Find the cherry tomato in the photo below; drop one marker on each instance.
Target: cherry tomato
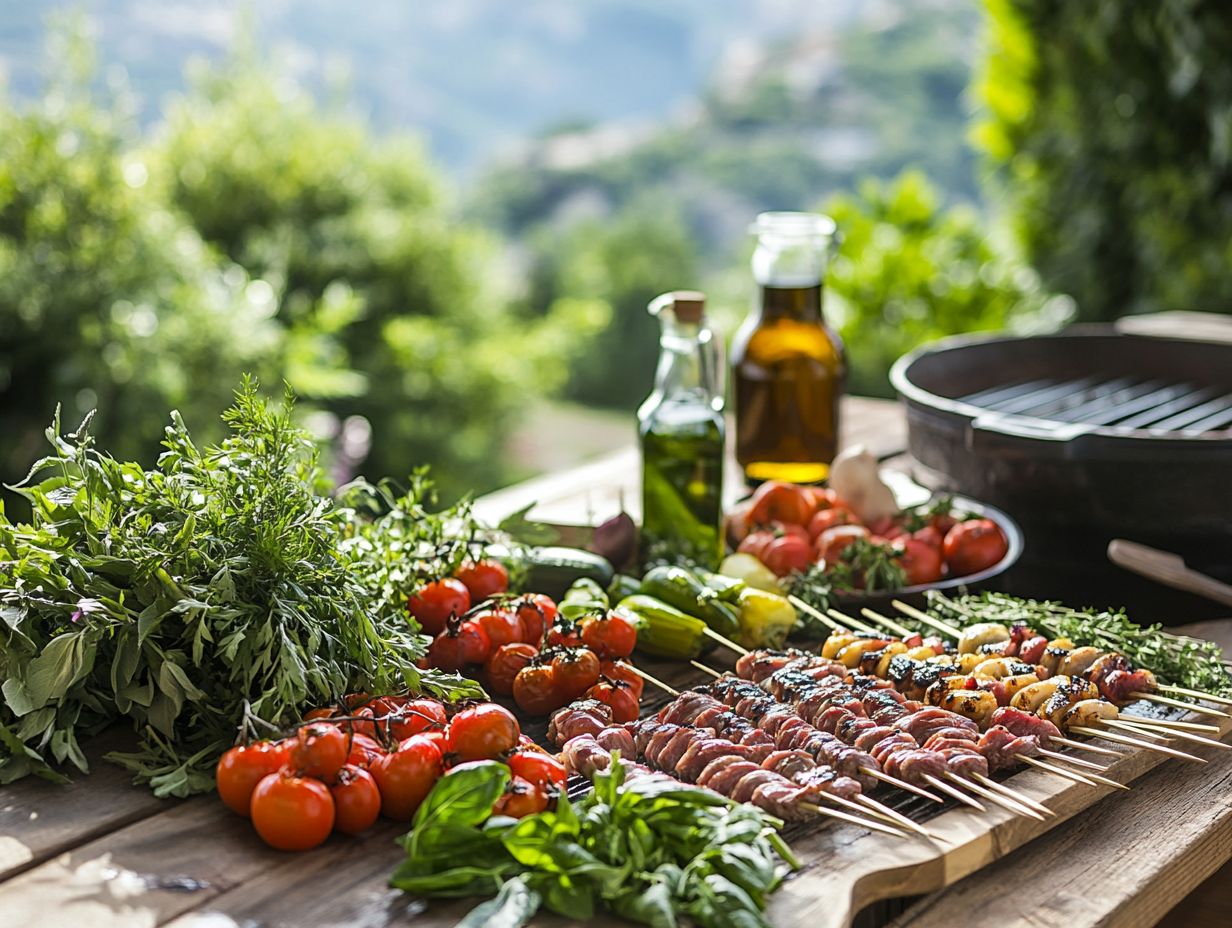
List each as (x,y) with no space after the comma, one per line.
(484,579)
(520,799)
(505,663)
(415,716)
(779,501)
(435,602)
(461,643)
(502,626)
(319,750)
(779,529)
(919,560)
(609,636)
(786,554)
(535,690)
(834,541)
(313,715)
(828,518)
(241,768)
(357,801)
(821,497)
(620,670)
(755,543)
(974,545)
(526,743)
(292,813)
(564,634)
(482,731)
(541,770)
(364,751)
(575,670)
(362,722)
(930,536)
(617,695)
(537,613)
(407,775)
(943,522)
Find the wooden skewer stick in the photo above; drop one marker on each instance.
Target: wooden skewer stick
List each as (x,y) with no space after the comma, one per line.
(901,784)
(726,642)
(956,793)
(815,613)
(849,621)
(992,784)
(1196,694)
(1162,735)
(1183,735)
(995,797)
(707,670)
(1180,704)
(1169,723)
(895,816)
(921,616)
(671,691)
(1084,777)
(1083,746)
(853,819)
(901,630)
(1076,761)
(1135,742)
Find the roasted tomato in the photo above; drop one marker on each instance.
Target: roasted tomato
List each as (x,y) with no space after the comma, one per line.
(535,690)
(618,696)
(609,636)
(481,732)
(461,643)
(537,613)
(575,671)
(505,663)
(520,799)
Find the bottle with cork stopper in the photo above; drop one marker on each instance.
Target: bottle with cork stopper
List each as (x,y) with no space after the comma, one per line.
(682,435)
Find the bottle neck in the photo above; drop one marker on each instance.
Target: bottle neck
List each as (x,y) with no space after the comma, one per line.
(801,304)
(690,367)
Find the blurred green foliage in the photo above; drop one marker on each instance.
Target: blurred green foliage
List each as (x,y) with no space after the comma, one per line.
(1111,126)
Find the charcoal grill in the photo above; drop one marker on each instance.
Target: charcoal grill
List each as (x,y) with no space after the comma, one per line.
(1090,432)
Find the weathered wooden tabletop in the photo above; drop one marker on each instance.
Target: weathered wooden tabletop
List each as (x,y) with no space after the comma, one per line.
(100,852)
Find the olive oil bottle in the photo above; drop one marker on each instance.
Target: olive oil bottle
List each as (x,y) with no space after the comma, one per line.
(788,365)
(682,436)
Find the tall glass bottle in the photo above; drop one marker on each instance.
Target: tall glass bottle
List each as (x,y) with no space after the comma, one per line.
(788,365)
(682,436)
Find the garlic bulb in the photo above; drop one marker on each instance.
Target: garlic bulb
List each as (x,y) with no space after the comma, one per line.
(854,477)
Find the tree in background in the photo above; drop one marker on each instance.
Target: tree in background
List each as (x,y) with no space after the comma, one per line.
(1111,124)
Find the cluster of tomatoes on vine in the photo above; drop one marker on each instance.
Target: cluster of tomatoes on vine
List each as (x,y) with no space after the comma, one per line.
(345,767)
(521,645)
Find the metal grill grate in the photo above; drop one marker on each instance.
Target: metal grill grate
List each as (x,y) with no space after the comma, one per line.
(1120,404)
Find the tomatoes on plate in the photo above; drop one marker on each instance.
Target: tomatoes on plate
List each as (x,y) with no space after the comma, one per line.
(755,543)
(539,769)
(357,801)
(920,561)
(618,696)
(292,813)
(319,750)
(241,768)
(434,603)
(537,613)
(505,664)
(461,643)
(575,670)
(535,690)
(520,799)
(407,775)
(781,502)
(974,545)
(609,636)
(483,579)
(834,541)
(483,731)
(828,519)
(786,554)
(930,536)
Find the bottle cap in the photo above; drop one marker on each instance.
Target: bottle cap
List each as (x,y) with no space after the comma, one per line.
(688,305)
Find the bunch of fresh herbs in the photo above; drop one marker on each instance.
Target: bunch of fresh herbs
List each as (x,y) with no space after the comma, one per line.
(652,851)
(185,599)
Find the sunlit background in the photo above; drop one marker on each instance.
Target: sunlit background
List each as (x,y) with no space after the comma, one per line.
(441,223)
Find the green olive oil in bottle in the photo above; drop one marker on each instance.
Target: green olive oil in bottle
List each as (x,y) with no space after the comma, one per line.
(682,436)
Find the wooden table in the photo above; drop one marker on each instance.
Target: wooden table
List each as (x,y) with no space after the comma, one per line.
(100,852)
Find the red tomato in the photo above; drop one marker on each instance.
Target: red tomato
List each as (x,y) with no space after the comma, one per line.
(541,770)
(779,529)
(319,750)
(609,636)
(484,579)
(787,554)
(620,670)
(520,799)
(737,523)
(930,536)
(974,545)
(537,613)
(535,690)
(834,541)
(483,731)
(407,775)
(755,543)
(828,519)
(362,722)
(575,670)
(779,501)
(505,663)
(313,715)
(415,716)
(564,634)
(292,813)
(820,497)
(943,523)
(364,751)
(460,644)
(919,560)
(526,743)
(435,602)
(617,695)
(241,768)
(502,625)
(357,801)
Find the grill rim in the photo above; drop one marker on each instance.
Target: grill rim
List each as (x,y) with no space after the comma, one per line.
(1039,428)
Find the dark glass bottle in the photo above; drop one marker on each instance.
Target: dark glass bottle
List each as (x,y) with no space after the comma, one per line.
(788,365)
(682,436)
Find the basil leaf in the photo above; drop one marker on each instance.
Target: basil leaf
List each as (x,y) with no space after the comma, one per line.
(513,907)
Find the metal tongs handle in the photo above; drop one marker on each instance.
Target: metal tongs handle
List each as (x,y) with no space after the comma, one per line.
(1167,568)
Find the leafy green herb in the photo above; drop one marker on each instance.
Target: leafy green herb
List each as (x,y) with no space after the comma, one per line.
(863,567)
(1173,658)
(650,851)
(189,598)
(921,516)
